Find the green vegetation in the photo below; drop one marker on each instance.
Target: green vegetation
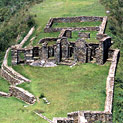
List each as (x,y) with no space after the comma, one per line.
(15,21)
(21,56)
(68,89)
(92,36)
(39,35)
(77,24)
(4,86)
(51,43)
(115,30)
(17,17)
(62,8)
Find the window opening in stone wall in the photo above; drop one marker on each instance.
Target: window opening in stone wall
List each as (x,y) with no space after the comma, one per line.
(21,57)
(36,52)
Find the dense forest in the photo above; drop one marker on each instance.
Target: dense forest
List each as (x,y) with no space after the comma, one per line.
(15,22)
(115,23)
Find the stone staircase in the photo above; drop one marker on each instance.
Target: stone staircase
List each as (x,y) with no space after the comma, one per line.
(68,62)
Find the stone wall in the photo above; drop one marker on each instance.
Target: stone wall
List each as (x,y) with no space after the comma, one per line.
(102,50)
(49,27)
(65,33)
(93,46)
(63,120)
(76,19)
(110,82)
(100,36)
(57,53)
(91,116)
(110,53)
(44,51)
(27,37)
(103,25)
(82,51)
(48,39)
(3,94)
(22,94)
(14,77)
(84,35)
(28,55)
(10,74)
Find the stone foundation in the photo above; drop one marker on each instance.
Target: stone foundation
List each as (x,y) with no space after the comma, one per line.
(91,116)
(49,27)
(63,120)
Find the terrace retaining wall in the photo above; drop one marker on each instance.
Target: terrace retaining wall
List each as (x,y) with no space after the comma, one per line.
(10,74)
(3,94)
(15,78)
(63,120)
(22,94)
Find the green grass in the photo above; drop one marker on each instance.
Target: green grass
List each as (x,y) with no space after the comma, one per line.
(12,111)
(78,24)
(62,8)
(68,89)
(4,85)
(118,92)
(92,36)
(40,35)
(51,43)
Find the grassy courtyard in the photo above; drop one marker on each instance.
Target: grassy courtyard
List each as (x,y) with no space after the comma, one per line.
(81,87)
(68,89)
(91,39)
(78,24)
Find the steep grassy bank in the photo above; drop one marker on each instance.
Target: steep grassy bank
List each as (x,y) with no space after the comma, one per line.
(15,22)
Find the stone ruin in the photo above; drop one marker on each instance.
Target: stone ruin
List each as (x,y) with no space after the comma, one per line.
(55,51)
(63,51)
